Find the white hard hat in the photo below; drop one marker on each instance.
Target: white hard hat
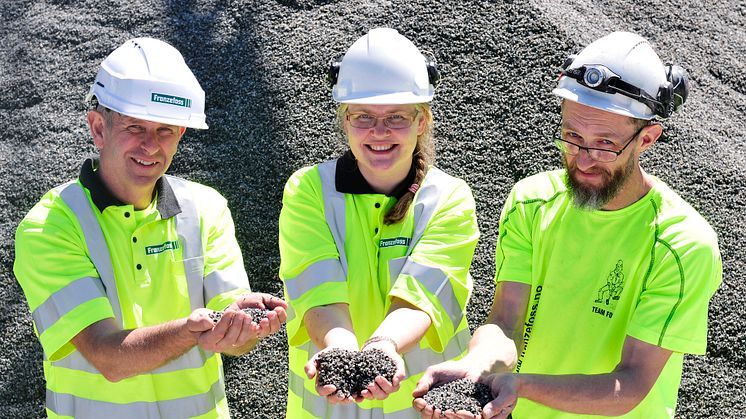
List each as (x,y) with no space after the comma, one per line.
(383,67)
(621,73)
(148,79)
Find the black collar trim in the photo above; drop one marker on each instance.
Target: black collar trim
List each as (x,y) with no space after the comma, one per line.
(167,205)
(348,178)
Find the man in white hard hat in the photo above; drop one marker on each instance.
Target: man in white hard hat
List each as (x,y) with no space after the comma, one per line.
(123,267)
(604,273)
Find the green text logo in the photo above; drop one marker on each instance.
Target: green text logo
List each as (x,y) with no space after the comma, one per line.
(171,100)
(396,241)
(152,250)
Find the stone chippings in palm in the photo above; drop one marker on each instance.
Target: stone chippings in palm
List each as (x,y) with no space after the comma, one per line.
(352,371)
(462,394)
(257,314)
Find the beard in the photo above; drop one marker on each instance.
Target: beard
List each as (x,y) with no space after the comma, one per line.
(593,198)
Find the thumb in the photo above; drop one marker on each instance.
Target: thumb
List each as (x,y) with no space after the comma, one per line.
(423,385)
(310,368)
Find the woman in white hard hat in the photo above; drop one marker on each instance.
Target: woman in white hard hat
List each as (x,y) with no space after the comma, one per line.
(376,245)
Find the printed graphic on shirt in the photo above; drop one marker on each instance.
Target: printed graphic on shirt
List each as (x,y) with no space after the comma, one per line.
(160,248)
(608,295)
(395,241)
(528,326)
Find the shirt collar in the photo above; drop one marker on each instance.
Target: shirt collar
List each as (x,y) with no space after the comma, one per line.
(348,178)
(167,204)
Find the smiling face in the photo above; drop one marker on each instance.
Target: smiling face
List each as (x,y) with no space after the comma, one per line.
(607,185)
(383,154)
(134,154)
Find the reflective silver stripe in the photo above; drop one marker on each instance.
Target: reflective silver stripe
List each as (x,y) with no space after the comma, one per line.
(194,358)
(185,407)
(188,230)
(225,280)
(65,300)
(426,202)
(318,406)
(436,282)
(327,270)
(418,359)
(334,209)
(75,198)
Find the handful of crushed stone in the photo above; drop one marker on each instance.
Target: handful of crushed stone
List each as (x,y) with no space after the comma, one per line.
(257,314)
(352,371)
(462,394)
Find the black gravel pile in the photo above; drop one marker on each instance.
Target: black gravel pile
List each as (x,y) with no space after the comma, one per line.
(257,314)
(462,394)
(352,371)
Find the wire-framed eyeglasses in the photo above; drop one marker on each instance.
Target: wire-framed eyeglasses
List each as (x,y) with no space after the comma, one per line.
(601,155)
(393,120)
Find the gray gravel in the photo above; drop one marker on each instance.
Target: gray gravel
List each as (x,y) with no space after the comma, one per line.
(458,395)
(351,372)
(257,314)
(262,66)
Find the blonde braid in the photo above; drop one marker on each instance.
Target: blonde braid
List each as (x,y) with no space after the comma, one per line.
(423,157)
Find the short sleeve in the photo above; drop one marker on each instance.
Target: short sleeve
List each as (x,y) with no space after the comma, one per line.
(60,282)
(225,274)
(435,277)
(514,251)
(673,306)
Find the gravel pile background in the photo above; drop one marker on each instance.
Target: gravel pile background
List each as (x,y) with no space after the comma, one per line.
(262,65)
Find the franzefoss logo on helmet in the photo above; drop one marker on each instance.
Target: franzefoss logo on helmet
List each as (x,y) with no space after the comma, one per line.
(171,100)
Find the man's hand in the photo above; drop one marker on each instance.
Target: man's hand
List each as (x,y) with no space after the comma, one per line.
(329,391)
(276,316)
(234,334)
(435,375)
(380,388)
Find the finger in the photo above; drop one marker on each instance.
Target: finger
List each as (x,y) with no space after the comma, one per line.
(275,302)
(498,408)
(237,324)
(282,314)
(424,384)
(387,386)
(376,392)
(310,368)
(328,390)
(419,404)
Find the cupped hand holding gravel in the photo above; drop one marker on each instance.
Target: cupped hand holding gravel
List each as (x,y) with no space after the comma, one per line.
(274,318)
(322,361)
(437,375)
(383,386)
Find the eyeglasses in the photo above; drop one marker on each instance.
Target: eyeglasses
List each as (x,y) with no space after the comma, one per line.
(601,155)
(393,120)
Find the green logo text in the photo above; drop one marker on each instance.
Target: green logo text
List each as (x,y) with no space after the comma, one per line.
(160,248)
(396,241)
(171,100)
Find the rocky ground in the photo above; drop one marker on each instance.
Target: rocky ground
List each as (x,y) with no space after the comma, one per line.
(262,64)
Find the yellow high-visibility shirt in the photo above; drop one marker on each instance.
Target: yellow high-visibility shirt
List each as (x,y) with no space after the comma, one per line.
(83,256)
(335,248)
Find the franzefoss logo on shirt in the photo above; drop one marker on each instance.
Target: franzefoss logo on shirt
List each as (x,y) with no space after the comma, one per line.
(160,248)
(395,241)
(170,100)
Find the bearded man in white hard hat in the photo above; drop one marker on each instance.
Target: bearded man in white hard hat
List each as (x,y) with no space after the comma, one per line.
(123,267)
(604,273)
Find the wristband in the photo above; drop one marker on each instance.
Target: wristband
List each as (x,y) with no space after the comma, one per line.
(379,339)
